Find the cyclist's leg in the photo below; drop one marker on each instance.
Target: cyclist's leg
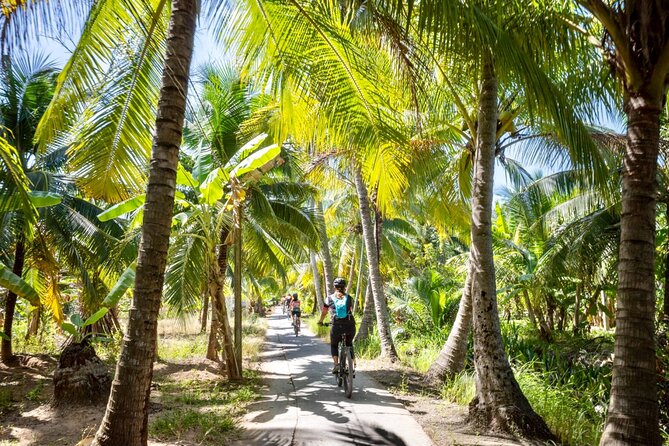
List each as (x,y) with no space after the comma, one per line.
(335,335)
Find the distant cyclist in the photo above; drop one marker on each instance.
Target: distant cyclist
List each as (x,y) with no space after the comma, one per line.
(286,304)
(340,306)
(295,310)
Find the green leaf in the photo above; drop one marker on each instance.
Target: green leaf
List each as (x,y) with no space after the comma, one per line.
(93,318)
(122,208)
(4,336)
(71,329)
(76,320)
(124,282)
(42,199)
(184,177)
(257,160)
(17,285)
(212,187)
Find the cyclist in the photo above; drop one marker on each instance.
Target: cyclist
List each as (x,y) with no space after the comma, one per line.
(286,305)
(340,306)
(295,308)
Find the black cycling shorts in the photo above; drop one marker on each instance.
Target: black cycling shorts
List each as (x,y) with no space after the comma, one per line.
(336,330)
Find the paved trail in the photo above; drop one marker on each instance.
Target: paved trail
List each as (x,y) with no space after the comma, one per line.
(304,407)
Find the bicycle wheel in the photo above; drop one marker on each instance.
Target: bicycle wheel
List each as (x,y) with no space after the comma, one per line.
(296,325)
(343,373)
(348,385)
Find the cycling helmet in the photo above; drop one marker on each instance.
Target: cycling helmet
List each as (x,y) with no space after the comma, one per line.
(339,283)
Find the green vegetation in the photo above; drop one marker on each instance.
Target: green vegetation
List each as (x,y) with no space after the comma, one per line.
(355,140)
(207,410)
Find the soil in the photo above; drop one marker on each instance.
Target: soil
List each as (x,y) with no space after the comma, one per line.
(442,420)
(28,418)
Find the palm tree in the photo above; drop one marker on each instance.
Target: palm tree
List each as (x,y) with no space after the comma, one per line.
(375,279)
(638,51)
(126,418)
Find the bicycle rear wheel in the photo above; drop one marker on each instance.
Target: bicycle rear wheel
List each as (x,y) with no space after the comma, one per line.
(348,384)
(296,325)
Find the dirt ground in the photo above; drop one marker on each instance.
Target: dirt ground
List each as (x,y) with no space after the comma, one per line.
(443,421)
(28,419)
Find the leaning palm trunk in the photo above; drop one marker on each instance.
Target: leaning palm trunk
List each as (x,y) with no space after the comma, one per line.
(317,280)
(499,404)
(367,322)
(328,275)
(380,304)
(361,267)
(451,359)
(231,360)
(6,354)
(633,416)
(126,419)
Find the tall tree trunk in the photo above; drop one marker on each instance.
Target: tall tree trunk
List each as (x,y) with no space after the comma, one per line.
(451,359)
(380,304)
(499,404)
(577,309)
(367,322)
(361,267)
(6,354)
(633,416)
(205,313)
(530,309)
(328,275)
(351,271)
(317,280)
(126,419)
(237,285)
(664,317)
(231,360)
(213,347)
(33,326)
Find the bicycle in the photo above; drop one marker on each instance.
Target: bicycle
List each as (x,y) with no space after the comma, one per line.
(346,371)
(296,324)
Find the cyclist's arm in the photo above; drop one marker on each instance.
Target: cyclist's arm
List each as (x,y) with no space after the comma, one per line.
(324,312)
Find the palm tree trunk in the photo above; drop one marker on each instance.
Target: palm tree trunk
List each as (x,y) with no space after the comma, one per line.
(205,313)
(361,267)
(577,309)
(664,317)
(33,326)
(231,360)
(237,285)
(126,419)
(6,354)
(213,346)
(367,322)
(317,280)
(328,275)
(451,359)
(530,309)
(633,416)
(380,304)
(499,403)
(351,271)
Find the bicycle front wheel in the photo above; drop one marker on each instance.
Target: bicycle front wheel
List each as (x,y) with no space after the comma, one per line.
(348,386)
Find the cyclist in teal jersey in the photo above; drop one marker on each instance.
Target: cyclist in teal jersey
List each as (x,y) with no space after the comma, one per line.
(341,319)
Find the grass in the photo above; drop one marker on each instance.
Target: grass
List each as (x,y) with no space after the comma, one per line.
(178,348)
(34,394)
(574,421)
(205,410)
(210,426)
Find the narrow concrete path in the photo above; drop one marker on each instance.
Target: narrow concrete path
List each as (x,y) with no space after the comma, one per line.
(303,406)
